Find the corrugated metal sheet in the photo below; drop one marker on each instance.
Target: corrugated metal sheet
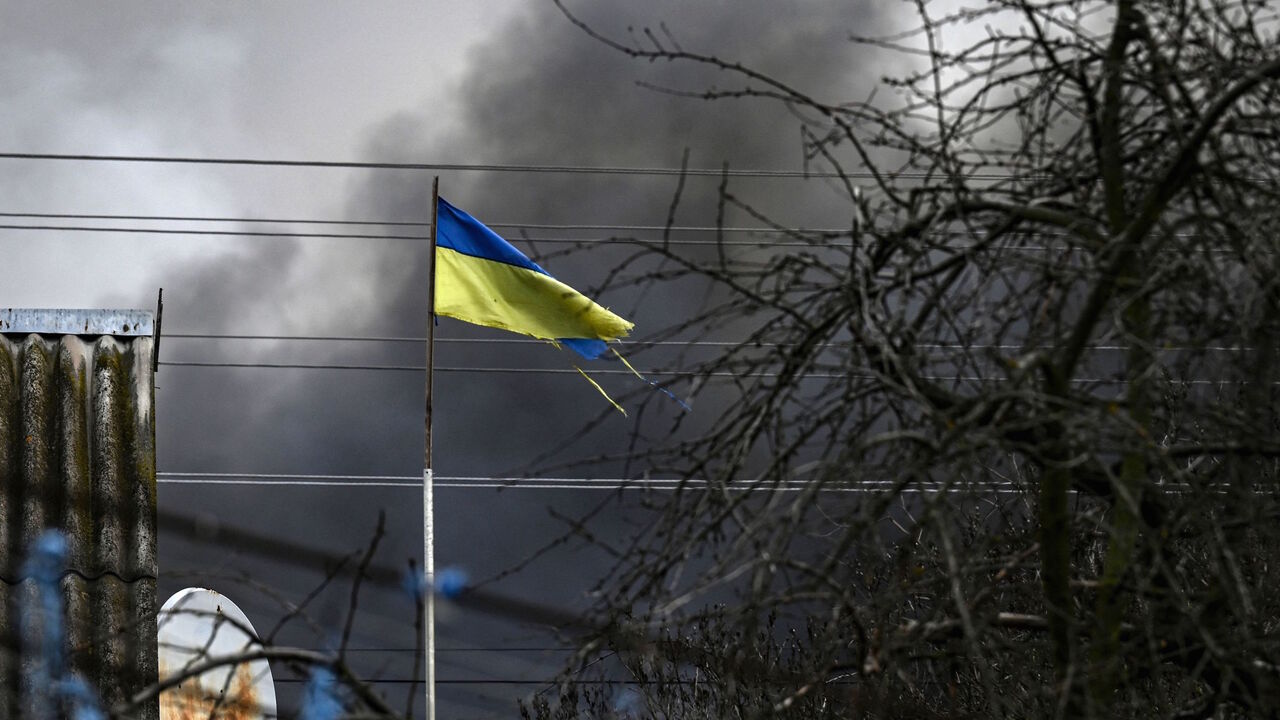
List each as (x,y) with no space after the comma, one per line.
(77,453)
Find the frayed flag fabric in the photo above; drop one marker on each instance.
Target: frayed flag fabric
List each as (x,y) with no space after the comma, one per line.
(483,279)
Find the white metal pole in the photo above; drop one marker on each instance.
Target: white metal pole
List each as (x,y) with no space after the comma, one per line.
(429,567)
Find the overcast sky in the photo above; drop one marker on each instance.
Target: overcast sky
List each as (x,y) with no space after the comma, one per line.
(492,82)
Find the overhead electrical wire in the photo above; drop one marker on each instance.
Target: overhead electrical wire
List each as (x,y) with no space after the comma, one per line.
(216,233)
(414,482)
(517,648)
(446,369)
(548,681)
(361,236)
(212,218)
(638,343)
(420,340)
(399,368)
(420,223)
(474,167)
(550,483)
(658,372)
(844,232)
(823,238)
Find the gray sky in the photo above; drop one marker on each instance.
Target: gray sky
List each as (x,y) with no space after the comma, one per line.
(497,81)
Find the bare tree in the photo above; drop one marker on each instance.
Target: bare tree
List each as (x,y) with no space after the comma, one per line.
(1007,446)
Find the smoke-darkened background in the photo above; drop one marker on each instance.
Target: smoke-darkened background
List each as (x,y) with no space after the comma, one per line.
(496,83)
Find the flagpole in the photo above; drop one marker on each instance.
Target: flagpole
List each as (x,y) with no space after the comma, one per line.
(428,501)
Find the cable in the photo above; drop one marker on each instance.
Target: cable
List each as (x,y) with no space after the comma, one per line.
(208,218)
(481,482)
(475,167)
(671,372)
(546,240)
(760,244)
(415,368)
(648,343)
(403,338)
(356,236)
(562,648)
(841,232)
(862,487)
(220,233)
(395,368)
(332,338)
(553,682)
(422,224)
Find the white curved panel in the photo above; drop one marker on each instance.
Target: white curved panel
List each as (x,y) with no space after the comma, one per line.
(198,626)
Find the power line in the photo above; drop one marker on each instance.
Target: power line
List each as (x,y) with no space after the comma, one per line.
(330,338)
(470,167)
(362,236)
(216,233)
(466,341)
(218,219)
(419,368)
(835,231)
(517,648)
(999,487)
(550,483)
(642,242)
(652,343)
(658,372)
(391,368)
(419,223)
(514,681)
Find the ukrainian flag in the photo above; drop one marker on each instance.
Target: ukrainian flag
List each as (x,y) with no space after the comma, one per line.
(483,279)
